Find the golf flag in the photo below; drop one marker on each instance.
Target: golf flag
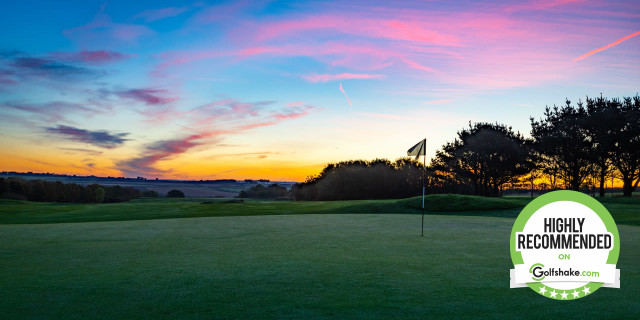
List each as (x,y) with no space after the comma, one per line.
(419,149)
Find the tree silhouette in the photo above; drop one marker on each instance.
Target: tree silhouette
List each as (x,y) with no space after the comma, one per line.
(563,143)
(486,157)
(626,142)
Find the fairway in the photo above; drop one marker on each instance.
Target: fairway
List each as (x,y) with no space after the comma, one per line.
(313,266)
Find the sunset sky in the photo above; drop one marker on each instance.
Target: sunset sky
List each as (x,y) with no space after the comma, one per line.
(277,89)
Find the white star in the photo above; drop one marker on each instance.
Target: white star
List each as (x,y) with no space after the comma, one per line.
(564,294)
(553,293)
(576,293)
(586,291)
(542,290)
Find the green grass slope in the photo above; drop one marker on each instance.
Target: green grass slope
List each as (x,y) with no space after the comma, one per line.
(346,266)
(458,202)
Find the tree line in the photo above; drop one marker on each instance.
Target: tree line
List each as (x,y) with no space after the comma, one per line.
(49,191)
(570,147)
(359,179)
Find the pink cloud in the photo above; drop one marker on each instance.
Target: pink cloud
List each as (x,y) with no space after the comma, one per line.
(607,46)
(391,29)
(541,4)
(438,101)
(345,95)
(342,76)
(363,56)
(473,49)
(416,65)
(296,104)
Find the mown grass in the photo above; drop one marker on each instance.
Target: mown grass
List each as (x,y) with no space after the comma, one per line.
(458,202)
(328,266)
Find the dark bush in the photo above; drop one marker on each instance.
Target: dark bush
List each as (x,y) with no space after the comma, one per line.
(49,191)
(359,179)
(175,194)
(149,194)
(259,191)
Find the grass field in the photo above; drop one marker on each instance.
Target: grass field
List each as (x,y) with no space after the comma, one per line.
(280,260)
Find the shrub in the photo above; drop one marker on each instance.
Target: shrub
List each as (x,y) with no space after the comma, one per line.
(175,194)
(259,191)
(100,194)
(149,194)
(49,191)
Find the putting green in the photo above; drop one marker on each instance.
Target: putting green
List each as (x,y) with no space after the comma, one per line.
(346,266)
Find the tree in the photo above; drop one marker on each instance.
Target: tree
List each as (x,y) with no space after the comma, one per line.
(175,194)
(273,191)
(563,143)
(486,157)
(582,143)
(99,194)
(626,142)
(149,194)
(360,179)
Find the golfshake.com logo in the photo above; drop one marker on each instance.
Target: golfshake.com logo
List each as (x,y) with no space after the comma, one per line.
(539,273)
(564,245)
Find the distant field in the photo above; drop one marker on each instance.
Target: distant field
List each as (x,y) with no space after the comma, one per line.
(281,260)
(190,189)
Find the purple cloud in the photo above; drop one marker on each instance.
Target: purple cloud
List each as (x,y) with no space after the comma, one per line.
(17,67)
(230,117)
(46,65)
(53,111)
(100,138)
(149,96)
(92,57)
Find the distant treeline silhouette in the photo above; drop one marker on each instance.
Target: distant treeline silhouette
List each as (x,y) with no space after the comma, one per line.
(49,191)
(359,179)
(573,147)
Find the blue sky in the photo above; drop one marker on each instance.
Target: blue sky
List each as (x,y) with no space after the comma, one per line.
(251,89)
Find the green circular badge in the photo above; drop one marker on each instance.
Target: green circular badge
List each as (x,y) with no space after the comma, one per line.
(564,245)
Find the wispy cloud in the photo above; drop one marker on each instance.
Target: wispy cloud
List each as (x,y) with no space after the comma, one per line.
(54,111)
(101,30)
(607,46)
(101,138)
(341,76)
(83,151)
(157,151)
(437,101)
(149,96)
(159,14)
(46,66)
(391,29)
(209,124)
(416,65)
(92,57)
(345,95)
(18,67)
